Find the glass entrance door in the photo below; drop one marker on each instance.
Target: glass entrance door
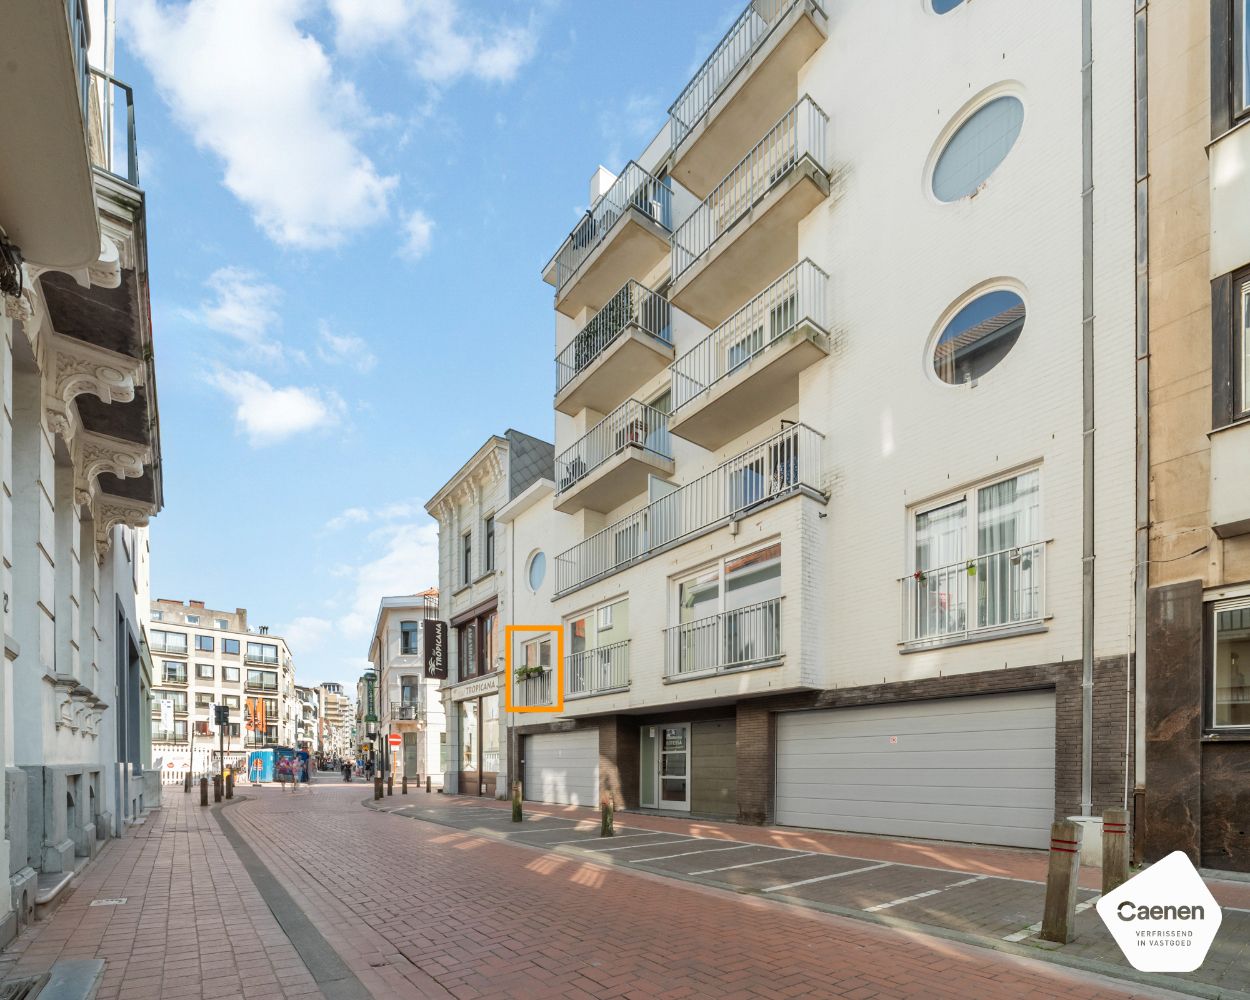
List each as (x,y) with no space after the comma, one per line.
(674,766)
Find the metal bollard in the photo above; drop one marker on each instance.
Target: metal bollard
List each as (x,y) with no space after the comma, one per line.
(216,787)
(403,786)
(230,785)
(186,785)
(607,825)
(1115,849)
(377,788)
(203,791)
(390,784)
(427,784)
(1062,880)
(516,802)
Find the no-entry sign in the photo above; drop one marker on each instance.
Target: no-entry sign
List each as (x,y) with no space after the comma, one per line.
(395,739)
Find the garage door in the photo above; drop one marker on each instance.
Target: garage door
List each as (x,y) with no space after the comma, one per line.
(563,768)
(980,770)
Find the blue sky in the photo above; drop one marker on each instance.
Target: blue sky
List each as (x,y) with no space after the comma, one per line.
(349,205)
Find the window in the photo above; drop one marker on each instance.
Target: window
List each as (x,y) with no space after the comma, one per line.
(409,638)
(203,729)
(475,646)
(976,149)
(466,650)
(221,623)
(537,571)
(466,558)
(266,680)
(230,674)
(230,646)
(193,619)
(728,615)
(978,337)
(261,652)
(605,618)
(490,543)
(169,642)
(179,698)
(1231,689)
(203,699)
(486,644)
(410,689)
(978,560)
(230,700)
(157,616)
(271,707)
(204,671)
(204,643)
(180,729)
(232,730)
(271,734)
(173,672)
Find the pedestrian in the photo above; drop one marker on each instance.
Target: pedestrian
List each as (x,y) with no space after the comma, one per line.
(284,772)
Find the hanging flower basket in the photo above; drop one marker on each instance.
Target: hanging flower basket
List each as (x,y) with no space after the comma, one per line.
(972,568)
(918,576)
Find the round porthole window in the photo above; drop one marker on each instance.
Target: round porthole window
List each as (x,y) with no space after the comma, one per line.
(978,336)
(976,149)
(944,6)
(537,571)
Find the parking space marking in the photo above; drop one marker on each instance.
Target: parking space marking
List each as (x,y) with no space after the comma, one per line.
(921,895)
(631,847)
(587,840)
(1034,928)
(752,864)
(686,854)
(826,878)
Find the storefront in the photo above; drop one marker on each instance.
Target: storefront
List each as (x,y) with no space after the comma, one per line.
(476,713)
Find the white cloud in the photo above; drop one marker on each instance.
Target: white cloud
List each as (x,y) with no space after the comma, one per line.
(244,307)
(353,515)
(419,231)
(268,414)
(406,563)
(443,44)
(306,633)
(249,85)
(346,349)
(396,511)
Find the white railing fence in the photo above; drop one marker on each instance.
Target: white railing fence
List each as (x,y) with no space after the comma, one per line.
(634,305)
(730,639)
(998,590)
(595,670)
(778,465)
(534,690)
(800,295)
(630,425)
(802,131)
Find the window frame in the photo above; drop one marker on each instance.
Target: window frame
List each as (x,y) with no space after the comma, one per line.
(193,619)
(225,674)
(466,558)
(179,666)
(200,669)
(691,575)
(488,531)
(225,647)
(1230,348)
(1211,651)
(404,632)
(205,643)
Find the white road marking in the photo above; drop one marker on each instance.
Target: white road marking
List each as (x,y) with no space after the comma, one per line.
(685,854)
(1034,928)
(587,840)
(921,895)
(752,864)
(634,847)
(826,878)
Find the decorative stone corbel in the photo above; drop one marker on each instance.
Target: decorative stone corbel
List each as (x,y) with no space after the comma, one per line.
(79,367)
(111,511)
(96,453)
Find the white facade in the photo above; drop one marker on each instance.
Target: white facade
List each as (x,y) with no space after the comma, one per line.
(336,716)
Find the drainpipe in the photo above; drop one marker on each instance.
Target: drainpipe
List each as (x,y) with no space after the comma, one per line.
(1141,581)
(1087,392)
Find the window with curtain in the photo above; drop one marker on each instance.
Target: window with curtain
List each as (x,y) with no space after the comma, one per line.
(409,638)
(1231,687)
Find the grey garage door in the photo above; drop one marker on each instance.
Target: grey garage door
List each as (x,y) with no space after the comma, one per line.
(980,770)
(563,767)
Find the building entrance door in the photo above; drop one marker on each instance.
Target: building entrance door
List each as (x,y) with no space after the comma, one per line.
(665,767)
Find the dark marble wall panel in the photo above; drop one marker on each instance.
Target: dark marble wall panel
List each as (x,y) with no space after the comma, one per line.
(1173,720)
(1226,806)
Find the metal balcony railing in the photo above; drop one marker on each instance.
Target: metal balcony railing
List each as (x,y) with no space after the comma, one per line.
(533,691)
(800,295)
(176,644)
(634,305)
(262,685)
(174,677)
(260,659)
(634,187)
(740,638)
(405,711)
(594,671)
(801,132)
(999,590)
(783,463)
(744,36)
(168,736)
(630,425)
(114,148)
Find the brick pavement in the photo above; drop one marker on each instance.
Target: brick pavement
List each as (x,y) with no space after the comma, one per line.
(420,910)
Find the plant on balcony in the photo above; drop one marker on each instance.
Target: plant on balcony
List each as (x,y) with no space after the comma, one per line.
(919,576)
(526,672)
(972,568)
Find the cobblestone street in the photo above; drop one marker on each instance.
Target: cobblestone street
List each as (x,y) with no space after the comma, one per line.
(308,894)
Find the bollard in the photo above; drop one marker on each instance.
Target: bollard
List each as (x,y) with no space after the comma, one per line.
(607,827)
(216,787)
(230,785)
(403,786)
(427,784)
(186,785)
(203,791)
(1115,849)
(377,788)
(1062,878)
(516,802)
(390,784)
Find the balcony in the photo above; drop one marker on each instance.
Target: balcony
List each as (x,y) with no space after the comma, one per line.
(746,232)
(597,671)
(747,370)
(732,640)
(533,691)
(405,711)
(611,462)
(168,736)
(629,340)
(261,661)
(785,464)
(750,78)
(174,678)
(1003,591)
(624,235)
(261,685)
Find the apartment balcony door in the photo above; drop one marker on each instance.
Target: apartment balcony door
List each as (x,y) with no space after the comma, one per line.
(665,767)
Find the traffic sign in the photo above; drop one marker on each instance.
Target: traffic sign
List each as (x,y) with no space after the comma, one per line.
(395,739)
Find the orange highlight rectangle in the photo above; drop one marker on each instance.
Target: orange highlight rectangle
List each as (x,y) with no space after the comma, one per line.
(558,706)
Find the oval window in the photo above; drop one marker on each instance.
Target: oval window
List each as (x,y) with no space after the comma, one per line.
(538,570)
(976,149)
(944,6)
(978,337)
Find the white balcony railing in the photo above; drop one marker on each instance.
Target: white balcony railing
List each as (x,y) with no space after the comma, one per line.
(801,132)
(784,463)
(800,295)
(530,692)
(744,36)
(630,425)
(594,671)
(633,188)
(740,638)
(634,305)
(1001,590)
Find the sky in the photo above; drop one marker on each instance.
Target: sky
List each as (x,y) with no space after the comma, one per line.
(349,206)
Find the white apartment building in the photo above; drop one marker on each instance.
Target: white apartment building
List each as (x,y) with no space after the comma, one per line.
(410,703)
(473,562)
(307,726)
(836,390)
(203,657)
(80,457)
(336,720)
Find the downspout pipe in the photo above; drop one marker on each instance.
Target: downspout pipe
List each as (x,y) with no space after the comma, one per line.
(1087,392)
(1141,582)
